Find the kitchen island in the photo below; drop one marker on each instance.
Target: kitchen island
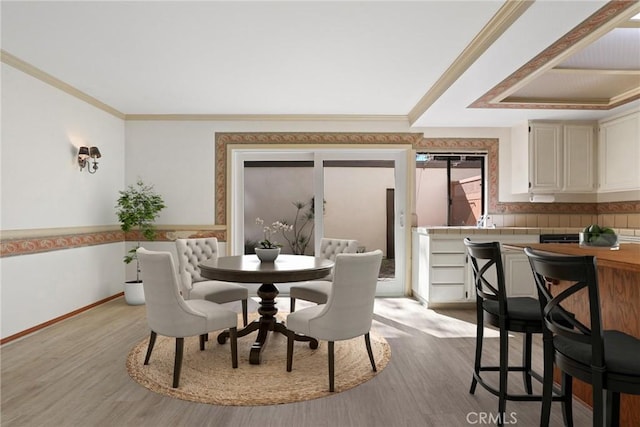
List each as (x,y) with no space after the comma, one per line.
(619,281)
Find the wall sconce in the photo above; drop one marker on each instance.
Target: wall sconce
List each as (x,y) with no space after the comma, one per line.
(85,154)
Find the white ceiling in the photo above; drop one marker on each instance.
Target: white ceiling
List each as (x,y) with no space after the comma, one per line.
(303,58)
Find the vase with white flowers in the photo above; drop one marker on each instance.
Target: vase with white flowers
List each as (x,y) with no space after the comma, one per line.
(268,249)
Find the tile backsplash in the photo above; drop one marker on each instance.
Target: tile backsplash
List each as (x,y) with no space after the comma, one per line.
(623,223)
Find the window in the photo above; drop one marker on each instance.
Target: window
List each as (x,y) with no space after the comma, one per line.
(450,188)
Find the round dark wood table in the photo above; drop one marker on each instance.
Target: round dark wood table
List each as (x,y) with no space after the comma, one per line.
(249,269)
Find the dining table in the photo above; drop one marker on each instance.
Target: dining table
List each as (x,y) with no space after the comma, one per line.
(249,269)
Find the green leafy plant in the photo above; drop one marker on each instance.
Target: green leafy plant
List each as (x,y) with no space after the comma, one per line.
(594,235)
(301,229)
(137,208)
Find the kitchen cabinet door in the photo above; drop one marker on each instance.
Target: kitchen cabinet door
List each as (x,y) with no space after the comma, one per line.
(579,158)
(619,154)
(518,276)
(545,158)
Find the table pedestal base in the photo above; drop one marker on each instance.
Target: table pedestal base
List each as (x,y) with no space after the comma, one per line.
(267,323)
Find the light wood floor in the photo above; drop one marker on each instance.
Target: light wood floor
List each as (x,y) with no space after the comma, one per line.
(73,374)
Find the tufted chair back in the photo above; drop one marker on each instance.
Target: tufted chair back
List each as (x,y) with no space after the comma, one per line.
(348,312)
(191,252)
(329,248)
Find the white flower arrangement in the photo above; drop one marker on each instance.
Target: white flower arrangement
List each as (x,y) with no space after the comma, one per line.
(268,242)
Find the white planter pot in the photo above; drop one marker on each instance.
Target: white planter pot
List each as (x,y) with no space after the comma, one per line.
(134,293)
(267,255)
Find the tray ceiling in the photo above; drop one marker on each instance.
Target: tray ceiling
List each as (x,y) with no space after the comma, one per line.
(425,63)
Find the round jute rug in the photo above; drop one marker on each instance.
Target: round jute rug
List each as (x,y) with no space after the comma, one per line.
(207,376)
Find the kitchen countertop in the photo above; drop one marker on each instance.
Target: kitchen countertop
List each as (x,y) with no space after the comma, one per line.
(625,258)
(619,286)
(624,234)
(497,230)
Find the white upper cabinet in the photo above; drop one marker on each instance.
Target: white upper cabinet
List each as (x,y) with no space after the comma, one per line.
(545,158)
(553,157)
(579,158)
(619,154)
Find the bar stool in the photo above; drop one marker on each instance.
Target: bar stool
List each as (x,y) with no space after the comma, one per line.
(607,359)
(509,314)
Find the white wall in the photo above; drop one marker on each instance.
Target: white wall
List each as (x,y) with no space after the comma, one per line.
(185,149)
(41,183)
(42,188)
(39,287)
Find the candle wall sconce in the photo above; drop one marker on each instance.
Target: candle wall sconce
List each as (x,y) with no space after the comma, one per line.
(87,158)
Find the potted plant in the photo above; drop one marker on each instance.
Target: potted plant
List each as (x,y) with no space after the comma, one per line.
(268,249)
(137,208)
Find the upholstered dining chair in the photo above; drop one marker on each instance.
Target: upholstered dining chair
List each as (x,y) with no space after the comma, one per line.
(609,360)
(318,290)
(348,312)
(169,314)
(508,314)
(191,252)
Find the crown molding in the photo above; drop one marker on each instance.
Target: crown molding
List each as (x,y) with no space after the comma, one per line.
(266,117)
(33,71)
(499,23)
(612,15)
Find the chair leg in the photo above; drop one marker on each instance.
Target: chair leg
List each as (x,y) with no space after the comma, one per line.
(367,341)
(547,381)
(567,402)
(526,362)
(177,365)
(613,409)
(290,337)
(203,338)
(292,307)
(152,342)
(479,336)
(504,371)
(245,317)
(331,366)
(599,397)
(233,340)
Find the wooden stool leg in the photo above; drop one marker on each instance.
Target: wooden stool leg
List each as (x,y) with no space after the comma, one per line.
(245,316)
(547,381)
(526,363)
(567,403)
(479,337)
(233,340)
(152,342)
(367,341)
(331,366)
(504,371)
(290,339)
(177,365)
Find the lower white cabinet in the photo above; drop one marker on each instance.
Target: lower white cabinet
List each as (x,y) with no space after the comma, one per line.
(518,275)
(442,273)
(439,270)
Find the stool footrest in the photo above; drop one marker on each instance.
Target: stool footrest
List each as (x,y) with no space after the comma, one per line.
(557,394)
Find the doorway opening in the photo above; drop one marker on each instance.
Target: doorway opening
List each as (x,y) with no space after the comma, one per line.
(363,194)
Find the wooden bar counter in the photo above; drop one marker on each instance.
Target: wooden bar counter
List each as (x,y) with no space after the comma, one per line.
(619,280)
